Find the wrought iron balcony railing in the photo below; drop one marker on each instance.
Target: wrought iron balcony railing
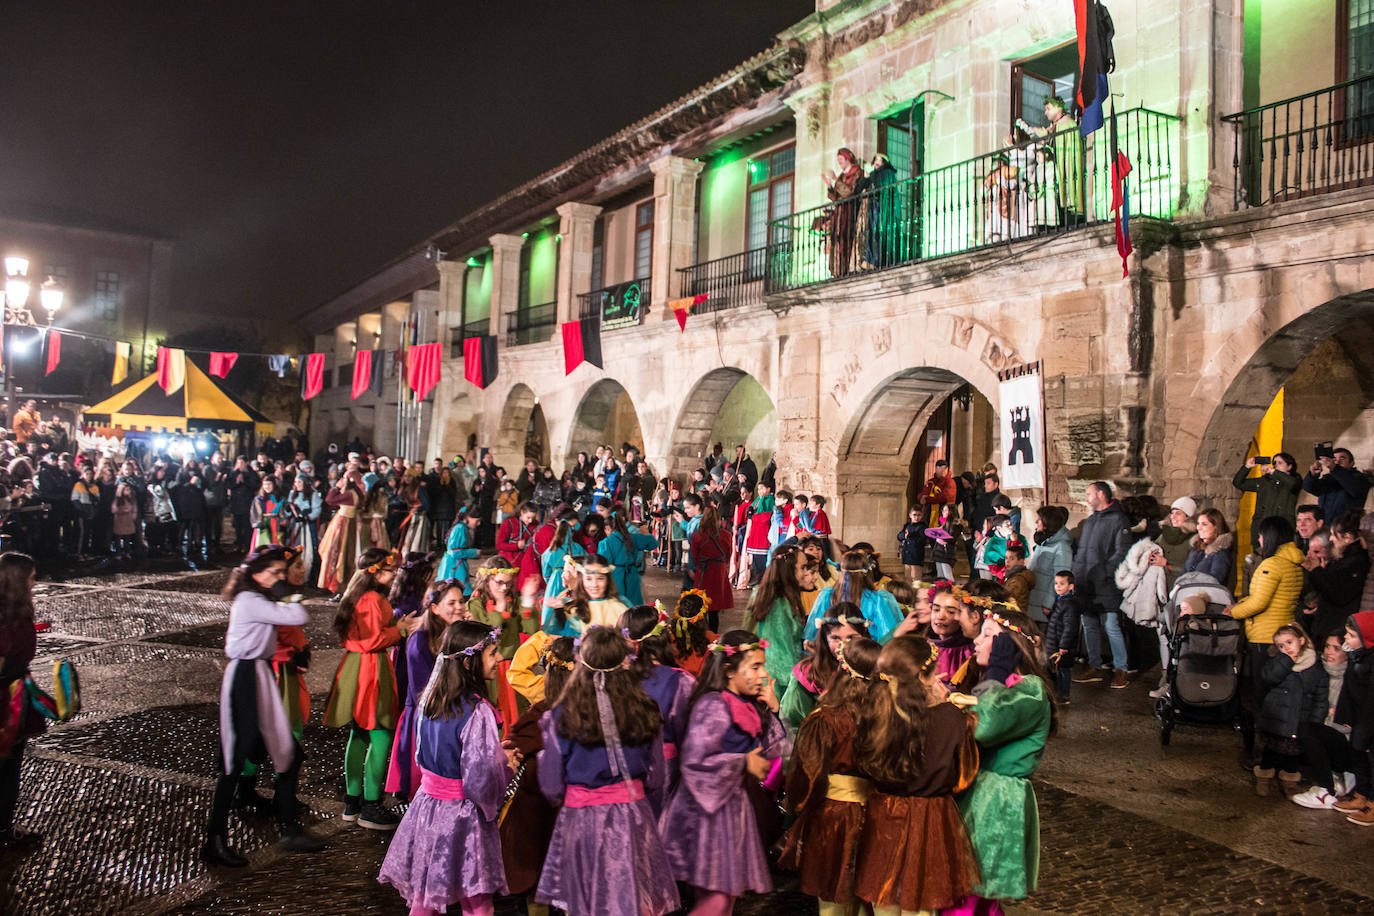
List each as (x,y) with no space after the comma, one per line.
(1310,144)
(475,328)
(729,282)
(1032,191)
(531,325)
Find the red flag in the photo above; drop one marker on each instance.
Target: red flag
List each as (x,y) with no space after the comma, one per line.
(479,360)
(312,375)
(1121,207)
(54,350)
(681,307)
(581,344)
(221,363)
(362,373)
(171,369)
(422,368)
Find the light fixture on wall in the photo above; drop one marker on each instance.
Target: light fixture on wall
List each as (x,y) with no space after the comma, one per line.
(963,396)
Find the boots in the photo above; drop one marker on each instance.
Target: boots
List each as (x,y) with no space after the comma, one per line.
(353,806)
(247,800)
(217,851)
(1289,782)
(295,839)
(1264,781)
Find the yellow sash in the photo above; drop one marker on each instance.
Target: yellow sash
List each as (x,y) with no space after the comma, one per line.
(847,789)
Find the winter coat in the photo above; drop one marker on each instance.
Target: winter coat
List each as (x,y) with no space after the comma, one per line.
(1341,490)
(1275,589)
(1055,554)
(1143,587)
(1276,493)
(1215,559)
(1297,693)
(1338,585)
(1175,542)
(1355,706)
(1019,583)
(1061,629)
(547,492)
(1103,543)
(909,540)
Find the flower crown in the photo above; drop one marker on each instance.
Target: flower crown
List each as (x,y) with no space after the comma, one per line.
(846,667)
(386,562)
(733,650)
(421,561)
(933,587)
(604,569)
(271,551)
(659,627)
(982,601)
(1006,624)
(549,660)
(855,622)
(497,570)
(478,646)
(705,605)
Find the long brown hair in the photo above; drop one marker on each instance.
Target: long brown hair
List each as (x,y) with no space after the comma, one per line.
(890,745)
(855,577)
(16,590)
(779,583)
(823,661)
(361,583)
(636,624)
(577,601)
(691,638)
(716,671)
(458,677)
(601,655)
(848,686)
(434,624)
(564,651)
(1026,635)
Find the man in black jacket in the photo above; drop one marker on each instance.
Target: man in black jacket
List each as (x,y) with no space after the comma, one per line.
(1103,543)
(243,486)
(188,499)
(1337,484)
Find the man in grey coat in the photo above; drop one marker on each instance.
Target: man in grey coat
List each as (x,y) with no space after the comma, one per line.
(1103,543)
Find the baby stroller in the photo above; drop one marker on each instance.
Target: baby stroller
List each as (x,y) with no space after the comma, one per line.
(1204,665)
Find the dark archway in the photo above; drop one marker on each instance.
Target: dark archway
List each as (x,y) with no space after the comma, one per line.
(605,416)
(523,431)
(728,406)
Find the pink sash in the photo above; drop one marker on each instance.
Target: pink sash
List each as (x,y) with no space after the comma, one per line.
(669,750)
(442,788)
(614,794)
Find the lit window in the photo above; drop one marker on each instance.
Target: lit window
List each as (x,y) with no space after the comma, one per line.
(644,239)
(106,295)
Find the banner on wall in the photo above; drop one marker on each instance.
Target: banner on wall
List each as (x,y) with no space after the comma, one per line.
(1022,420)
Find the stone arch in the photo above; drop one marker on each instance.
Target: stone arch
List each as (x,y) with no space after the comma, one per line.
(605,415)
(1327,350)
(729,406)
(885,449)
(522,427)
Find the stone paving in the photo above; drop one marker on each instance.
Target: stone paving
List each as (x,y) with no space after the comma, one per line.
(122,791)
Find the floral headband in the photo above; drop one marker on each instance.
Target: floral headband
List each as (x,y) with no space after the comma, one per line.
(705,605)
(497,570)
(269,551)
(603,569)
(855,622)
(1006,624)
(846,667)
(470,651)
(386,562)
(734,650)
(982,601)
(658,629)
(933,587)
(549,660)
(422,561)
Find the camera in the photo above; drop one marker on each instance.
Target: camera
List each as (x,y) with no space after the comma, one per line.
(1324,450)
(1264,459)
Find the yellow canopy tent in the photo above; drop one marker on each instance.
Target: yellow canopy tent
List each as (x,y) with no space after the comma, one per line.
(200,404)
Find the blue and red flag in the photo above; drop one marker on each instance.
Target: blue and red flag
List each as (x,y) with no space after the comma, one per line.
(1094,64)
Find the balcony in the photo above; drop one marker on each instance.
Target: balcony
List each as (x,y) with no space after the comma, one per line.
(1000,197)
(531,325)
(618,306)
(1310,144)
(475,328)
(729,282)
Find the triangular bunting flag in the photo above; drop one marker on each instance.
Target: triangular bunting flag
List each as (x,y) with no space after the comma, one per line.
(362,373)
(479,360)
(171,369)
(422,368)
(54,350)
(312,375)
(681,307)
(122,349)
(221,363)
(581,343)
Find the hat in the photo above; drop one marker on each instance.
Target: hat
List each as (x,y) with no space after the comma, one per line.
(1185,504)
(1193,604)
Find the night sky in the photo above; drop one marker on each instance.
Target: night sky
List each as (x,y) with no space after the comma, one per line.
(290,149)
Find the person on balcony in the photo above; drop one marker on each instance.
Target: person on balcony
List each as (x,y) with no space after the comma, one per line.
(1062,145)
(882,238)
(842,219)
(1008,213)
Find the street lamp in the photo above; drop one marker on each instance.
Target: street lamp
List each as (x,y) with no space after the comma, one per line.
(18,314)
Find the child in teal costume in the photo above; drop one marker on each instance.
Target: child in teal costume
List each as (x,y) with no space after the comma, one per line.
(855,585)
(1015,718)
(458,550)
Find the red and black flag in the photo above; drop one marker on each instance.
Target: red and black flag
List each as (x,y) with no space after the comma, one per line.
(1095,60)
(54,350)
(312,375)
(581,343)
(479,360)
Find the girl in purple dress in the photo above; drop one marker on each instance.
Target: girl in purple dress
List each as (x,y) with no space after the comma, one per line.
(445,604)
(447,849)
(734,737)
(646,628)
(602,760)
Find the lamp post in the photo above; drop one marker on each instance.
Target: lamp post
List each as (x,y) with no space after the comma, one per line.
(17,313)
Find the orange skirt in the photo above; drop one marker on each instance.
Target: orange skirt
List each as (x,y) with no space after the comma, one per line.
(914,853)
(823,848)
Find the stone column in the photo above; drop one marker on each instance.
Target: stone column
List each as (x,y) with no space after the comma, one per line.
(452,276)
(505,278)
(576,223)
(675,195)
(815,152)
(1211,52)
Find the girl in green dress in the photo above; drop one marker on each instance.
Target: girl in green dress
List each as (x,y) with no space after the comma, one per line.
(778,613)
(1015,718)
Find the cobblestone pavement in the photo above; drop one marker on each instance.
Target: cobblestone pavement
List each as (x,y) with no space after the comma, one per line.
(122,791)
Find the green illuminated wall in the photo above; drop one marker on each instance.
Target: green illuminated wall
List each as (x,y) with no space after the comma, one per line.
(724,195)
(543,266)
(1290,46)
(477,291)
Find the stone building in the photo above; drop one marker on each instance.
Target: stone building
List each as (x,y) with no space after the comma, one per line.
(858,343)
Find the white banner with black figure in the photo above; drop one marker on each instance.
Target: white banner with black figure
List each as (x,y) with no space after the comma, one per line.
(1022,418)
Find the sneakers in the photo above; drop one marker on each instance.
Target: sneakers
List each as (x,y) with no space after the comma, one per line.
(1356,802)
(1120,680)
(1090,676)
(375,817)
(1315,797)
(353,806)
(1363,818)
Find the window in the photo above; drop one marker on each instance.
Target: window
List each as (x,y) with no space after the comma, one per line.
(901,138)
(770,198)
(644,239)
(598,252)
(106,295)
(1039,78)
(1355,60)
(522,289)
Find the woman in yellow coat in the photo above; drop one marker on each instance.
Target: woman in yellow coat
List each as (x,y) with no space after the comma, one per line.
(1275,589)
